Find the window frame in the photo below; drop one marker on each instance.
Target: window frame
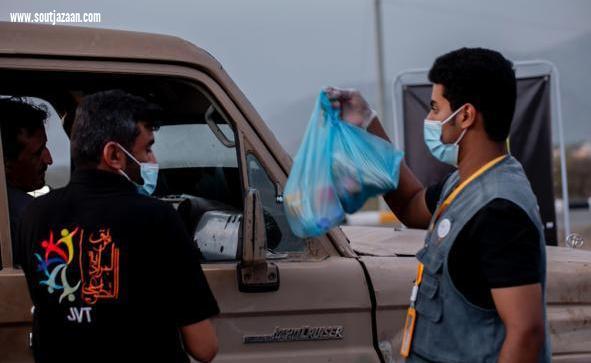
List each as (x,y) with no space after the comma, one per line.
(5,235)
(247,139)
(294,253)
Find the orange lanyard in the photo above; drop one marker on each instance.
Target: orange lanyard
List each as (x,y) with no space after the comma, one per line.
(411,315)
(446,203)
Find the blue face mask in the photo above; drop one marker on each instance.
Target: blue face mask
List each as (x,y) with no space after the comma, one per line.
(447,153)
(148,172)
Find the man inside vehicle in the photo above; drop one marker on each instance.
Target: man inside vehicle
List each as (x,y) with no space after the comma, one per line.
(26,157)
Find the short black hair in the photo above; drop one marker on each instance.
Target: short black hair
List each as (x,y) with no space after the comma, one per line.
(18,116)
(483,78)
(106,116)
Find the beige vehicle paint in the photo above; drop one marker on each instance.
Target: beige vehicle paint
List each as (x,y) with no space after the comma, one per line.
(354,282)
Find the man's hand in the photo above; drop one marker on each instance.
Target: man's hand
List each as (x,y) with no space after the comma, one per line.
(521,310)
(354,108)
(408,201)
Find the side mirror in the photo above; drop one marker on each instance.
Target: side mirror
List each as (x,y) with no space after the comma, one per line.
(214,226)
(218,235)
(255,274)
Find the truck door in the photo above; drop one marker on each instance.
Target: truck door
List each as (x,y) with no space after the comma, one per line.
(318,309)
(219,170)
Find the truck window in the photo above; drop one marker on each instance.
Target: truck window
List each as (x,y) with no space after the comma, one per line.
(259,179)
(199,172)
(195,148)
(193,162)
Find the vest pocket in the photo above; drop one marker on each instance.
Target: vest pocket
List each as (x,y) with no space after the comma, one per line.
(429,304)
(432,260)
(428,300)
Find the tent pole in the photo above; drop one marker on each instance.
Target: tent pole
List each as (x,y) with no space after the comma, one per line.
(563,174)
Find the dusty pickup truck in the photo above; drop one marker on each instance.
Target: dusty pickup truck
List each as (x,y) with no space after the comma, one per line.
(340,297)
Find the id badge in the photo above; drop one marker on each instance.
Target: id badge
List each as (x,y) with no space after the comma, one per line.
(409,327)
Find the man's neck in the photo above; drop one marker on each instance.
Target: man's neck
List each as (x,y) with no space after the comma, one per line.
(103,167)
(17,186)
(475,157)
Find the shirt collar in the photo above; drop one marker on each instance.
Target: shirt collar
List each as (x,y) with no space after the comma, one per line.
(101,179)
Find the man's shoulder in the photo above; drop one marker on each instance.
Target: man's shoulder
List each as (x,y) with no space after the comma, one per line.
(504,215)
(131,204)
(149,210)
(18,200)
(150,204)
(17,195)
(47,199)
(503,209)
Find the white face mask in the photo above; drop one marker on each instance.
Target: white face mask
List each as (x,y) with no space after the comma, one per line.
(432,131)
(148,172)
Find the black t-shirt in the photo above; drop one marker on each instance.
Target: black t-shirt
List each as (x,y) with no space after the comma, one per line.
(112,274)
(498,247)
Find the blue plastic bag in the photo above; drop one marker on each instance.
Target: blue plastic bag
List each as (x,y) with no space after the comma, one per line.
(336,169)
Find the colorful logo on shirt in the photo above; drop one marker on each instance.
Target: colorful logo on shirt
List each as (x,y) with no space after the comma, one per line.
(98,261)
(54,263)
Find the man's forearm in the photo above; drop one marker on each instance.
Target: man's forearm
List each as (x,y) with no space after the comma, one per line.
(522,347)
(413,212)
(375,127)
(522,312)
(405,201)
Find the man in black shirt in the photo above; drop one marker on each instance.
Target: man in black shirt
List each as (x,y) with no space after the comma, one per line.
(479,292)
(112,273)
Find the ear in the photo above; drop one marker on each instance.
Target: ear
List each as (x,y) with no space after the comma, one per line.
(467,116)
(113,156)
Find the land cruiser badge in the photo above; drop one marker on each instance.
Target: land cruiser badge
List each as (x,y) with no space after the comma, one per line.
(305,333)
